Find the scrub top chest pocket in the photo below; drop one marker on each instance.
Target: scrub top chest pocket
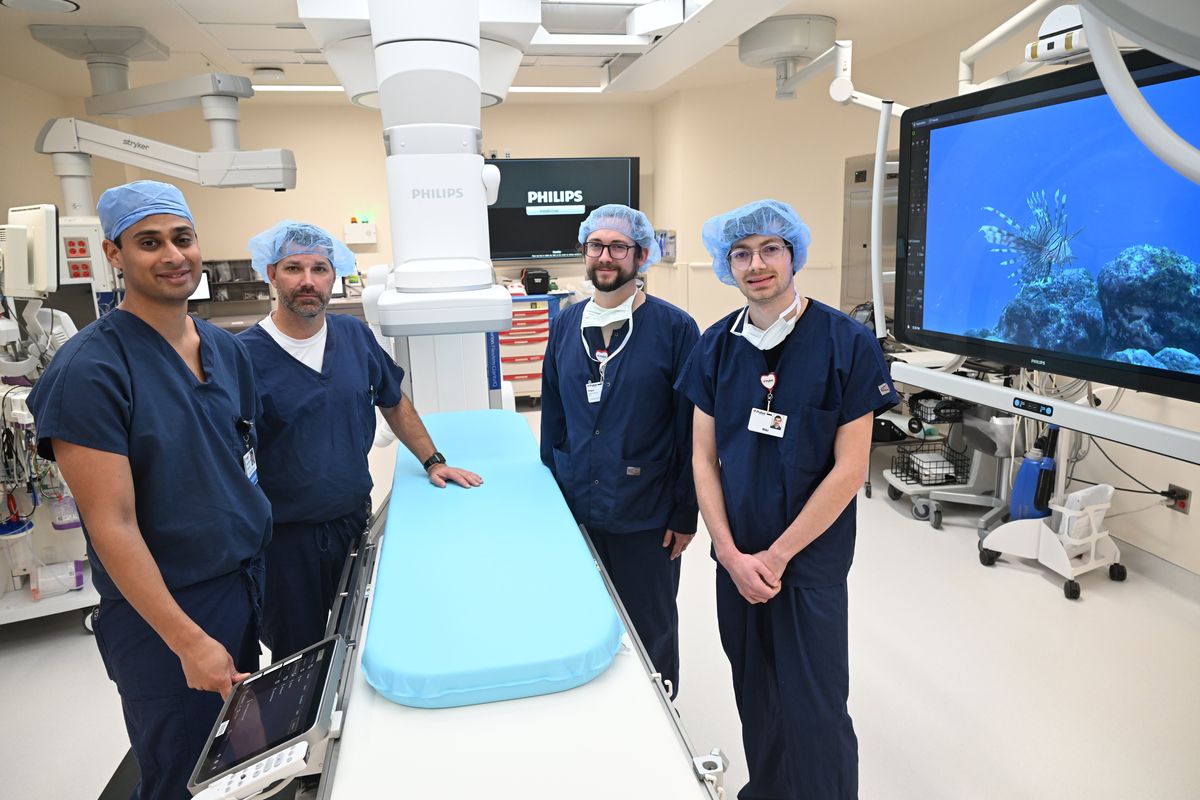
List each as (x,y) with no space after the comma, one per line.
(807,443)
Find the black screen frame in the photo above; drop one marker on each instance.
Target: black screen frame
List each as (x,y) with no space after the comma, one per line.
(631,163)
(1076,82)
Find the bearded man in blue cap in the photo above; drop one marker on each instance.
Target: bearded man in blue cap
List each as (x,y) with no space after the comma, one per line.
(149,413)
(615,433)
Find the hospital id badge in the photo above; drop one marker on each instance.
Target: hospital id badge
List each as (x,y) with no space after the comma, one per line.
(250,465)
(767,422)
(594,390)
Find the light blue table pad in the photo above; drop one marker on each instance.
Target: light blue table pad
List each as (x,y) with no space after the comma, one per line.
(488,593)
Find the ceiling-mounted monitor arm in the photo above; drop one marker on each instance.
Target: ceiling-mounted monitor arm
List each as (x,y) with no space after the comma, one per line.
(261,169)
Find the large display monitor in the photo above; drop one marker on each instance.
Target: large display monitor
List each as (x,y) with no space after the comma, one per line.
(543,200)
(1036,230)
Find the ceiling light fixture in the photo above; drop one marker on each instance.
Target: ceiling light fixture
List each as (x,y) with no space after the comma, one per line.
(42,6)
(295,88)
(556,89)
(268,73)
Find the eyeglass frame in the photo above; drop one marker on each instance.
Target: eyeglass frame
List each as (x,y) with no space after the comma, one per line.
(753,252)
(583,248)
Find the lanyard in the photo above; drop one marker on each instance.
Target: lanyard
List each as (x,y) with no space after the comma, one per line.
(769,382)
(602,357)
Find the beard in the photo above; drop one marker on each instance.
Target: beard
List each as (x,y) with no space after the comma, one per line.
(611,284)
(304,304)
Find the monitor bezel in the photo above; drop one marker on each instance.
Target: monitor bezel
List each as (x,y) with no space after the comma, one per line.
(1132,376)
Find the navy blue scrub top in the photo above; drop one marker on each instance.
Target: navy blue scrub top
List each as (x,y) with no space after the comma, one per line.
(316,428)
(625,463)
(830,372)
(118,386)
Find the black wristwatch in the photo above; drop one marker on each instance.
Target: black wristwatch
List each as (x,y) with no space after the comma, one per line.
(433,461)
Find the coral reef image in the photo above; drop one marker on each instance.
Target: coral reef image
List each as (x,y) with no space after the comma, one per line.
(1142,308)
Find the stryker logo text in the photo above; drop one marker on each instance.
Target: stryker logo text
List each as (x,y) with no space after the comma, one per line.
(447,193)
(564,196)
(135,144)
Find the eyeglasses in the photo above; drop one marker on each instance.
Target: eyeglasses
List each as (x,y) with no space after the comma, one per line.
(616,250)
(773,253)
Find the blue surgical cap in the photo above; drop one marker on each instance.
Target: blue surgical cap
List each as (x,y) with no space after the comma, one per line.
(290,238)
(123,206)
(627,221)
(762,217)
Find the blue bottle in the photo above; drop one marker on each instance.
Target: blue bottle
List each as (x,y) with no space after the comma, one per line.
(1022,503)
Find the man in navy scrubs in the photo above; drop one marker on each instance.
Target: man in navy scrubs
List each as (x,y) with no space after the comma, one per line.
(785,392)
(616,434)
(149,414)
(320,377)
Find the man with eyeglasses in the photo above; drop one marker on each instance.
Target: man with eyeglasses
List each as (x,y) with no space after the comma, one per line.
(785,391)
(616,434)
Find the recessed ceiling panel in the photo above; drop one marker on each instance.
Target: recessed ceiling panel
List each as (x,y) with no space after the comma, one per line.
(259,37)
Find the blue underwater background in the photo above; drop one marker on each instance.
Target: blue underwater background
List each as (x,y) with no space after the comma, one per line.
(1055,228)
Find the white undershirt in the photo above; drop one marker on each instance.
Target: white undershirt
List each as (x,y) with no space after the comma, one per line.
(310,352)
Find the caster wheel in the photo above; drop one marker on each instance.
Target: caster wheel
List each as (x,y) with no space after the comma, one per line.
(867,490)
(87,620)
(920,510)
(894,493)
(935,521)
(1071,590)
(915,425)
(988,557)
(1117,572)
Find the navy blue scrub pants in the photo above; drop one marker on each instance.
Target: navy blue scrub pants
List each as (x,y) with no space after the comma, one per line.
(791,680)
(167,722)
(304,565)
(647,581)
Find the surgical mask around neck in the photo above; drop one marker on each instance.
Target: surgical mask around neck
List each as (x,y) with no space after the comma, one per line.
(773,334)
(596,317)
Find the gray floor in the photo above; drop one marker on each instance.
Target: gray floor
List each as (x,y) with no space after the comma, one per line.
(966,682)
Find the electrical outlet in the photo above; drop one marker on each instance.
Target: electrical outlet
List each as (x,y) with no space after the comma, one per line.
(1183,499)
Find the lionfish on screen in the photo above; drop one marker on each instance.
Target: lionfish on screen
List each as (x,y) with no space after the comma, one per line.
(1037,248)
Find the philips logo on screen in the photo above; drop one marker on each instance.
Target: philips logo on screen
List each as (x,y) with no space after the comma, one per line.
(446,193)
(564,196)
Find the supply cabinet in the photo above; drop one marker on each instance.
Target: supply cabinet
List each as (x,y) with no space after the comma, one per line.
(523,346)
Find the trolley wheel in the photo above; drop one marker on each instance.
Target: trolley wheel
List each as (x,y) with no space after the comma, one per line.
(87,620)
(920,509)
(894,493)
(1117,572)
(988,557)
(867,490)
(915,425)
(1071,590)
(935,521)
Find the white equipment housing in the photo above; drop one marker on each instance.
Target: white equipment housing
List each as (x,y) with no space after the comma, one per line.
(39,276)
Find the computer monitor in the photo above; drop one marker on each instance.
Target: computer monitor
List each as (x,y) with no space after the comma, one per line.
(339,287)
(1037,231)
(203,292)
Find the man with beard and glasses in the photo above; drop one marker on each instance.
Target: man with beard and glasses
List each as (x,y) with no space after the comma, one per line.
(320,377)
(616,434)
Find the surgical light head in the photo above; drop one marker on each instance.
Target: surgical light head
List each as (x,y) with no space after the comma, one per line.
(123,206)
(763,218)
(628,222)
(290,238)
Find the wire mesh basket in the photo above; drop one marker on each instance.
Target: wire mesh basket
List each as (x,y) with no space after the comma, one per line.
(931,464)
(933,410)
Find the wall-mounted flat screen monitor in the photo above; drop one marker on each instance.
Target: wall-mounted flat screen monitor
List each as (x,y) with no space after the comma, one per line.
(203,291)
(543,200)
(1036,230)
(339,287)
